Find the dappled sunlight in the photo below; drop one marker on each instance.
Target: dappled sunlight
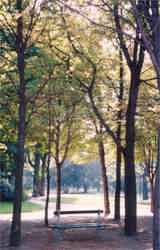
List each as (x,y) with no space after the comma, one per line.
(79,124)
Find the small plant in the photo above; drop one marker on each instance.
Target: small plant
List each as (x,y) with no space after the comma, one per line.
(6,191)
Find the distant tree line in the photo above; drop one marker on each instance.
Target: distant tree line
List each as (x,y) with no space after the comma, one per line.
(80,178)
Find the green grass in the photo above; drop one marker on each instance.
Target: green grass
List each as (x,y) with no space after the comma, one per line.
(6,207)
(147,202)
(80,199)
(65,200)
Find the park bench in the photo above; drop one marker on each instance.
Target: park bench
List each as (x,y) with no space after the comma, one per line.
(59,227)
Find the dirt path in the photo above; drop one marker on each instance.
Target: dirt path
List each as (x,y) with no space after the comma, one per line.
(37,237)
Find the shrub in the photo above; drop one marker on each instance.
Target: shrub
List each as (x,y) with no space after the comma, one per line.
(6,191)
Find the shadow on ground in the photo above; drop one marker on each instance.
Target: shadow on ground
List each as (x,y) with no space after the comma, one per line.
(38,237)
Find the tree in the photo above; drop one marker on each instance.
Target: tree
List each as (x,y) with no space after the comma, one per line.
(36,168)
(18,23)
(48,158)
(62,141)
(147,17)
(43,175)
(134,59)
(135,64)
(120,97)
(59,70)
(101,151)
(15,236)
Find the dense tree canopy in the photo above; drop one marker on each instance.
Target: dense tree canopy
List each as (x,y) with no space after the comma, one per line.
(79,79)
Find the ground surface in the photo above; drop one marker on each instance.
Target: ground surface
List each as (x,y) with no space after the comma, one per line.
(37,237)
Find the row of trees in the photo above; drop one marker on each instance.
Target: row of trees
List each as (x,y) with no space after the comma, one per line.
(76,78)
(81,177)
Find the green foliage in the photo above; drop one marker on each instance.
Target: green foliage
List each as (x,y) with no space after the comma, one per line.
(32,51)
(81,177)
(6,39)
(6,191)
(53,76)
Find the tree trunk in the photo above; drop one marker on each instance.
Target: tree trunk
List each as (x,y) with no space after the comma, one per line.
(118,150)
(153,49)
(36,178)
(15,234)
(117,215)
(156,218)
(130,177)
(35,182)
(85,188)
(48,193)
(145,186)
(46,222)
(104,178)
(43,172)
(58,188)
(152,196)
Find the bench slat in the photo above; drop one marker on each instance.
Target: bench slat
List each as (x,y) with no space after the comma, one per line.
(74,226)
(78,212)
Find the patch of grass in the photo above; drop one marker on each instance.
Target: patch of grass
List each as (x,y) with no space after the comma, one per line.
(80,199)
(90,200)
(65,200)
(147,202)
(27,206)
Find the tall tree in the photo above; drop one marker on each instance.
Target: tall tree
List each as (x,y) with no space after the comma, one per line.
(104,174)
(18,22)
(119,135)
(15,235)
(36,169)
(135,64)
(147,16)
(102,158)
(134,56)
(48,159)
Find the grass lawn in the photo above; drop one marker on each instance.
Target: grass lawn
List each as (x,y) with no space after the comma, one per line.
(79,199)
(6,207)
(65,199)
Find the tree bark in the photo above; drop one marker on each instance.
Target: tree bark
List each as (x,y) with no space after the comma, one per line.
(58,188)
(117,215)
(104,178)
(150,12)
(58,166)
(130,177)
(15,234)
(118,150)
(156,47)
(135,64)
(145,186)
(36,177)
(43,173)
(152,197)
(156,218)
(46,221)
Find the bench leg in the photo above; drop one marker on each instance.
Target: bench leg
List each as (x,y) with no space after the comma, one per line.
(58,235)
(99,233)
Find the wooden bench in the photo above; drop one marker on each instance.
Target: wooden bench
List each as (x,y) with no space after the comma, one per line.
(98,211)
(60,227)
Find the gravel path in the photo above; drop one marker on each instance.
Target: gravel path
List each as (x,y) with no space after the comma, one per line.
(37,237)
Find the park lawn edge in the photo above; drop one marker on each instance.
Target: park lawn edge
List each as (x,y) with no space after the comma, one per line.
(27,206)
